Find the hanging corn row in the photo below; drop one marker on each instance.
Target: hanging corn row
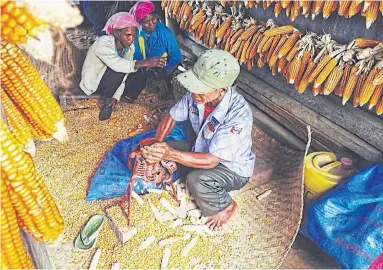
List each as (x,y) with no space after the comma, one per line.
(36,212)
(23,85)
(13,253)
(294,8)
(352,72)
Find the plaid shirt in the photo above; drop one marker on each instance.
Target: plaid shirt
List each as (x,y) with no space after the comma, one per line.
(226,132)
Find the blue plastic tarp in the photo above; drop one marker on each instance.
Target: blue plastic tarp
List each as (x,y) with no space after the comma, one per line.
(112,176)
(348,221)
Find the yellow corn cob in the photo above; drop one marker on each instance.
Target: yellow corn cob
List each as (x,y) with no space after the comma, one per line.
(17,23)
(164,3)
(198,31)
(287,29)
(197,22)
(187,13)
(227,45)
(272,48)
(293,52)
(371,14)
(294,68)
(375,96)
(14,255)
(226,38)
(290,42)
(206,35)
(281,64)
(253,41)
(381,6)
(239,51)
(249,64)
(305,79)
(212,37)
(277,8)
(325,72)
(379,107)
(306,7)
(285,3)
(332,80)
(350,84)
(262,43)
(365,43)
(236,35)
(223,28)
(260,61)
(36,211)
(367,3)
(295,10)
(321,65)
(317,90)
(254,46)
(24,85)
(305,59)
(367,88)
(316,8)
(249,32)
(267,45)
(327,8)
(176,8)
(18,126)
(236,46)
(274,56)
(378,79)
(201,30)
(358,87)
(343,7)
(343,81)
(354,8)
(244,51)
(181,11)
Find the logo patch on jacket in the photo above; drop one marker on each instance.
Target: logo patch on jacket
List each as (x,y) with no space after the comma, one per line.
(194,110)
(235,130)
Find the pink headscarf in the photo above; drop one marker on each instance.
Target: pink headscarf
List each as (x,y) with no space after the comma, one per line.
(141,9)
(119,21)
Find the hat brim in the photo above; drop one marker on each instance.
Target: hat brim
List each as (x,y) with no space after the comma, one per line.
(190,81)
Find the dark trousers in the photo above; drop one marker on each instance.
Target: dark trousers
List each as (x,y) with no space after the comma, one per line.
(209,187)
(111,80)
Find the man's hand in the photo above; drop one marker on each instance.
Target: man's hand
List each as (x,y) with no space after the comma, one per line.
(156,152)
(156,61)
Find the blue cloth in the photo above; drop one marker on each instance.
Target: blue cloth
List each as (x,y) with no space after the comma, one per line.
(161,40)
(348,221)
(112,176)
(226,132)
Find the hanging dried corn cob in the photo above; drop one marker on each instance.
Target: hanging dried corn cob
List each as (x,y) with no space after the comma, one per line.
(18,23)
(36,212)
(342,84)
(290,42)
(368,88)
(23,84)
(18,126)
(333,79)
(13,253)
(351,83)
(371,13)
(375,96)
(379,107)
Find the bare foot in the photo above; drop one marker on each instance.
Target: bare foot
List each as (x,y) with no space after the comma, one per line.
(218,220)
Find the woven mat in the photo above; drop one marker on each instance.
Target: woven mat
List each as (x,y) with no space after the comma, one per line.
(269,225)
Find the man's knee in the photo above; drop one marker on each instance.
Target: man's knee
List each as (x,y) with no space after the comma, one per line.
(199,181)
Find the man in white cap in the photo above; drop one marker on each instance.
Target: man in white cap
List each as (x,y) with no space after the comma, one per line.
(219,158)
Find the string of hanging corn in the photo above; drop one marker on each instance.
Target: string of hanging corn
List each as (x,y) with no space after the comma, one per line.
(293,8)
(310,60)
(23,85)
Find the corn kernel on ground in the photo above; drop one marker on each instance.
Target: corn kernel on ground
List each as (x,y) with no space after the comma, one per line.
(67,168)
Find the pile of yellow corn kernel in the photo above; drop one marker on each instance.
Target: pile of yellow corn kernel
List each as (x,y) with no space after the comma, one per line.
(67,170)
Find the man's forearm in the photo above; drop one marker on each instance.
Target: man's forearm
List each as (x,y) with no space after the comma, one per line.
(194,160)
(166,126)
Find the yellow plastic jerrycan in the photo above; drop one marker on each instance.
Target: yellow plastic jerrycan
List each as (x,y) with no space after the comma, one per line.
(323,172)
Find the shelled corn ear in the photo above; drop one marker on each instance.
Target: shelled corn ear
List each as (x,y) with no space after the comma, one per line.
(18,125)
(36,211)
(18,23)
(25,87)
(13,253)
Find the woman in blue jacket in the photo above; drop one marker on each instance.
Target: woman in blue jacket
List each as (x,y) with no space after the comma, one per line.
(154,39)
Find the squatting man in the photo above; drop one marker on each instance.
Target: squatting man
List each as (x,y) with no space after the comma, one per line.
(217,157)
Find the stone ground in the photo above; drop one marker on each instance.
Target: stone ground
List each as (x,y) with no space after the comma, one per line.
(304,254)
